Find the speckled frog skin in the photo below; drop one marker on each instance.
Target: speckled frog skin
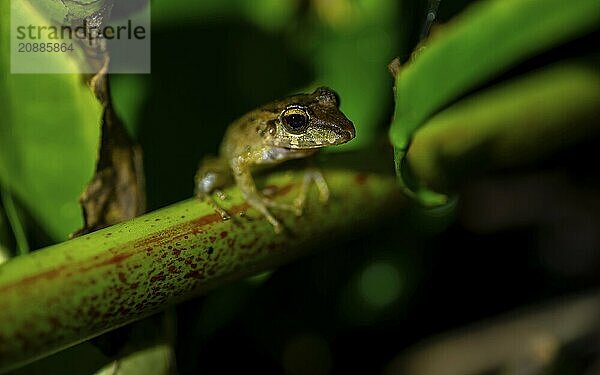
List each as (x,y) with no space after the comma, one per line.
(290,128)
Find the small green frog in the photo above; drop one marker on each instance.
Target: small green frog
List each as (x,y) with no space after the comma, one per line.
(290,128)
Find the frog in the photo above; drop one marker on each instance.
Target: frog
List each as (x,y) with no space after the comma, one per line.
(293,127)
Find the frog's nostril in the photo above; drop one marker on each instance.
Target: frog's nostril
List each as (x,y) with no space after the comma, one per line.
(349,132)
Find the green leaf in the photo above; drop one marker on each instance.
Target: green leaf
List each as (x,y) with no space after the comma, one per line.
(5,237)
(269,14)
(15,221)
(486,40)
(154,360)
(515,123)
(176,11)
(128,93)
(59,10)
(49,134)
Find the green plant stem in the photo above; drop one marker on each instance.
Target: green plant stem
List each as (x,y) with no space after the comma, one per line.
(14,219)
(67,293)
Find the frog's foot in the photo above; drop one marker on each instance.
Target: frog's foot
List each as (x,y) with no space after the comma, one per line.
(261,205)
(281,206)
(311,175)
(218,209)
(221,195)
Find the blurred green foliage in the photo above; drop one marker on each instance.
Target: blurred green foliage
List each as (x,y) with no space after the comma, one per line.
(486,40)
(49,135)
(513,123)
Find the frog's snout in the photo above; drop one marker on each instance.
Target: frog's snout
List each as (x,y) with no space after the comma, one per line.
(346,130)
(343,135)
(351,132)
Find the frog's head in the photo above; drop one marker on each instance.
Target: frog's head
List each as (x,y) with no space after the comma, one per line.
(309,121)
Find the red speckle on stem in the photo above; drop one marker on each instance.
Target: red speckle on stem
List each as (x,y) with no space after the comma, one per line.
(361,178)
(197,274)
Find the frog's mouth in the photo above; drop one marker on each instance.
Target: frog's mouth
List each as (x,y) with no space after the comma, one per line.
(315,138)
(348,134)
(338,136)
(299,152)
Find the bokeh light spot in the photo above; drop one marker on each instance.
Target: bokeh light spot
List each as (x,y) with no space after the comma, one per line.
(380,284)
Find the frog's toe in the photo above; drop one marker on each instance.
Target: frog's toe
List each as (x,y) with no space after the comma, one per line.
(261,204)
(221,195)
(324,196)
(279,206)
(218,209)
(277,227)
(299,206)
(224,215)
(269,191)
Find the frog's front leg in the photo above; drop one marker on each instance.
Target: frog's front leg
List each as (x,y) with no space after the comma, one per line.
(212,175)
(243,178)
(211,201)
(311,175)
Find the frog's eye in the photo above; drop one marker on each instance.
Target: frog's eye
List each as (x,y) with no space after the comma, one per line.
(294,119)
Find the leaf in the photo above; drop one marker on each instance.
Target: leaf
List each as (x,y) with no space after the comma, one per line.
(47,150)
(515,123)
(486,40)
(116,192)
(15,221)
(156,360)
(5,236)
(49,134)
(61,10)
